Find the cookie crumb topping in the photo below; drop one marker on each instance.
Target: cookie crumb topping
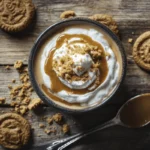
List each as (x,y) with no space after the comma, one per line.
(68,72)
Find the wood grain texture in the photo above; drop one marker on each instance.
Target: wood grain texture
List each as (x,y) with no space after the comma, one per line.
(131,16)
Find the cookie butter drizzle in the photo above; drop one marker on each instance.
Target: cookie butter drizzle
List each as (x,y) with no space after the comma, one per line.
(56,84)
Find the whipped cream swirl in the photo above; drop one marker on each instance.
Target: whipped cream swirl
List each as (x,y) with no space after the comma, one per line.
(83,61)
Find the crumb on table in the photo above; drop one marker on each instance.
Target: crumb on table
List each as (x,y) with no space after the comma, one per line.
(34,103)
(41,125)
(47,131)
(65,128)
(130,40)
(7,67)
(13,80)
(57,117)
(18,64)
(2,100)
(49,120)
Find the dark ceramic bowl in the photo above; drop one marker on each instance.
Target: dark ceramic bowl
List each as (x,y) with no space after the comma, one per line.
(52,30)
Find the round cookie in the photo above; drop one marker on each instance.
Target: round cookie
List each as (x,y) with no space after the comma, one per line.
(107,20)
(14,131)
(141,51)
(15,15)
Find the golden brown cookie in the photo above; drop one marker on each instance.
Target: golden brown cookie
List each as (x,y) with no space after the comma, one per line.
(14,131)
(107,20)
(67,14)
(141,51)
(15,15)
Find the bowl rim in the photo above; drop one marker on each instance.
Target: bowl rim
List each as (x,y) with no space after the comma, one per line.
(50,102)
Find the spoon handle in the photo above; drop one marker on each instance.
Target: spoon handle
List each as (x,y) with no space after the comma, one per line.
(63,143)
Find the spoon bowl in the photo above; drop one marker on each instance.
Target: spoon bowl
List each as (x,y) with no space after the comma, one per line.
(135,113)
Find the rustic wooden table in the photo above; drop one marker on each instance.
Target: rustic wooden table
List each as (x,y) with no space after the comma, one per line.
(132,16)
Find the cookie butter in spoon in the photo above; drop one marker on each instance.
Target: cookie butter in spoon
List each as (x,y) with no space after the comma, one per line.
(135,113)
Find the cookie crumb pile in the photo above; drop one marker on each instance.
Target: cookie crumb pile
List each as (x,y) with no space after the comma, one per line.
(51,124)
(22,101)
(21,94)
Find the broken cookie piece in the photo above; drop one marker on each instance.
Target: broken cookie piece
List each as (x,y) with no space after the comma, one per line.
(130,40)
(2,100)
(47,131)
(41,125)
(26,100)
(7,67)
(49,120)
(106,20)
(57,117)
(21,109)
(18,64)
(9,86)
(65,128)
(13,80)
(67,14)
(24,77)
(34,103)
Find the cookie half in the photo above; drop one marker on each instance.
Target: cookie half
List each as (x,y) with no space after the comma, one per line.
(14,131)
(16,15)
(141,51)
(107,20)
(67,14)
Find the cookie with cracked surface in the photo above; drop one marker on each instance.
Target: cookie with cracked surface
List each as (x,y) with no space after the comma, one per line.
(16,15)
(107,20)
(14,131)
(141,51)
(67,14)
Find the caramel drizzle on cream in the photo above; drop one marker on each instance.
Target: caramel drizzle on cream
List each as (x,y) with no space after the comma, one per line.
(56,84)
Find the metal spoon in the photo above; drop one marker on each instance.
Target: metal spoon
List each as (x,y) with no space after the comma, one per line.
(137,118)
